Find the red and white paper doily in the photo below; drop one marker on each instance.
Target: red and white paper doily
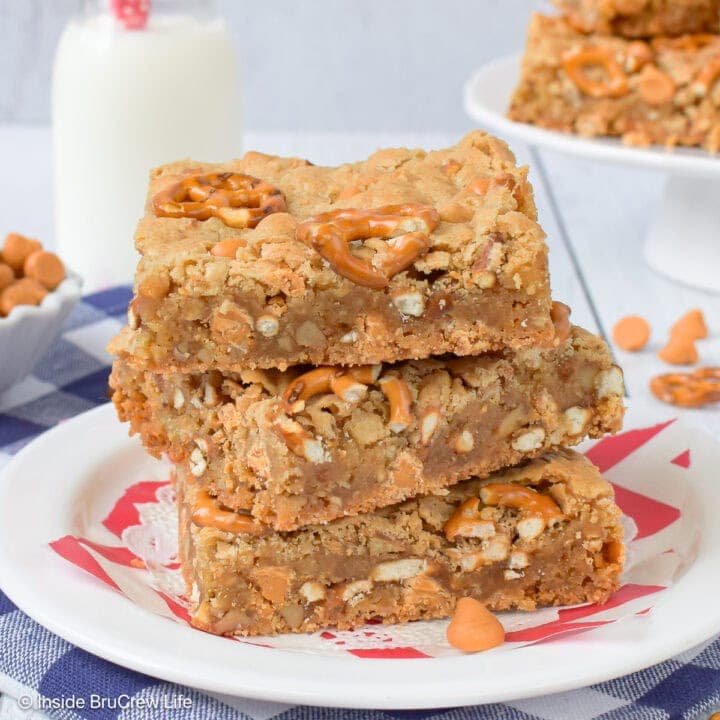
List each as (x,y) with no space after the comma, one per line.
(650,467)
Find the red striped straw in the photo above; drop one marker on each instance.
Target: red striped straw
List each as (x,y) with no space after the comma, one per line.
(131,14)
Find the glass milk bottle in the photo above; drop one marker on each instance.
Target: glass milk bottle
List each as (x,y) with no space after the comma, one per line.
(136,84)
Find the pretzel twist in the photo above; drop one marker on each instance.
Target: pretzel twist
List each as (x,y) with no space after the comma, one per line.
(240,201)
(575,64)
(406,227)
(208,513)
(692,389)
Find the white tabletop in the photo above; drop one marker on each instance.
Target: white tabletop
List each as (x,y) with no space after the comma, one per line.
(595,216)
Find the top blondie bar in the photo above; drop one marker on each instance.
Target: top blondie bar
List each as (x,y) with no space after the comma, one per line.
(269,262)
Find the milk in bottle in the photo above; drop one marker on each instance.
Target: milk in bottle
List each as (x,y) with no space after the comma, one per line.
(136,84)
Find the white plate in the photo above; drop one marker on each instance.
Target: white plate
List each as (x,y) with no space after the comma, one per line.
(487,98)
(82,466)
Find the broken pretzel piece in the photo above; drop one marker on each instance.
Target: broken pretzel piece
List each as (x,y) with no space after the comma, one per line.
(208,513)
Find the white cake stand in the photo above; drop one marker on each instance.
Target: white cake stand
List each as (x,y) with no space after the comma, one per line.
(683,240)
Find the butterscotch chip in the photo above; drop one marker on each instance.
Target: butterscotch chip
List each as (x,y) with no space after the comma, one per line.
(631,333)
(16,250)
(474,628)
(227,248)
(679,350)
(45,267)
(7,276)
(655,87)
(691,324)
(25,291)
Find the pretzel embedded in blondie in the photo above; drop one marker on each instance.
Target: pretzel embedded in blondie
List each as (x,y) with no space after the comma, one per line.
(327,379)
(208,513)
(576,63)
(406,227)
(350,385)
(238,200)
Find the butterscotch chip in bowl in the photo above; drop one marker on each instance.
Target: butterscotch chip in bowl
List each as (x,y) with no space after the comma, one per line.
(36,296)
(16,250)
(25,291)
(45,267)
(7,276)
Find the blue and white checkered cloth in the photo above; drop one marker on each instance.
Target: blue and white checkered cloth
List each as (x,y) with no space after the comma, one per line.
(39,670)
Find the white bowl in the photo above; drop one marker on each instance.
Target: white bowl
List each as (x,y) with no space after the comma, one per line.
(29,330)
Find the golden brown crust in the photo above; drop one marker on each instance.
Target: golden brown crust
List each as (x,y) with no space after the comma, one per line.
(661,92)
(234,298)
(397,564)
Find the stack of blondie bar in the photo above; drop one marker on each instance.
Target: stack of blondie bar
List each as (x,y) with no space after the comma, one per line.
(366,391)
(644,70)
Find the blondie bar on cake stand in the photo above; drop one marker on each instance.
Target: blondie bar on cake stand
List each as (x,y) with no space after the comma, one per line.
(682,239)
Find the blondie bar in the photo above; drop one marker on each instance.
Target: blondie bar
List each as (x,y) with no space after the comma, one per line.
(642,18)
(664,91)
(307,446)
(545,533)
(270,262)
